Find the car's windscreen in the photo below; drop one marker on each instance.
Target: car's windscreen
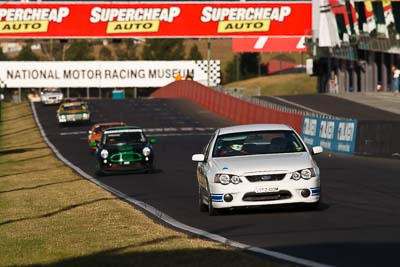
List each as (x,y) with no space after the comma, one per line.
(101,128)
(75,107)
(124,138)
(254,143)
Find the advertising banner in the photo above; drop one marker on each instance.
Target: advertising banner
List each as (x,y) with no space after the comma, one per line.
(269,44)
(156,19)
(106,74)
(336,135)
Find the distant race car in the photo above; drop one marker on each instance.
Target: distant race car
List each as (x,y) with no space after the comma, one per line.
(97,130)
(51,96)
(124,149)
(257,165)
(73,112)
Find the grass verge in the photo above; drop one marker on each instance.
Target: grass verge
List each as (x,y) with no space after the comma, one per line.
(50,216)
(285,84)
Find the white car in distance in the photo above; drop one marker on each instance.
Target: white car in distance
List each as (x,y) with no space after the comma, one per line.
(50,96)
(257,165)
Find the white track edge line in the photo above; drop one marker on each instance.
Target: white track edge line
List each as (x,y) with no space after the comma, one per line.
(167,219)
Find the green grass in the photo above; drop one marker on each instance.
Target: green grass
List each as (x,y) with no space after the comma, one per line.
(276,85)
(50,216)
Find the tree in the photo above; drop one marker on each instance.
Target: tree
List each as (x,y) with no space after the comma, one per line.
(126,50)
(231,69)
(53,49)
(284,57)
(249,65)
(194,53)
(105,53)
(131,49)
(3,56)
(26,54)
(163,49)
(79,50)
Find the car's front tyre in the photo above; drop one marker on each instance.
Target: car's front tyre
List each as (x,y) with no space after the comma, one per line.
(202,207)
(99,172)
(211,210)
(312,206)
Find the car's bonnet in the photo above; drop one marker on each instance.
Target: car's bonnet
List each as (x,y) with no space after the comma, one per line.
(52,94)
(242,165)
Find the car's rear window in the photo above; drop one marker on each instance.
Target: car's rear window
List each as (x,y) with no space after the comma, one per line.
(259,142)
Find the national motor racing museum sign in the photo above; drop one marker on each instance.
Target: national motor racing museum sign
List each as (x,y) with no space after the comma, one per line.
(106,74)
(172,19)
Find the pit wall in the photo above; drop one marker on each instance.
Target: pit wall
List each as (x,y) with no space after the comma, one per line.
(335,135)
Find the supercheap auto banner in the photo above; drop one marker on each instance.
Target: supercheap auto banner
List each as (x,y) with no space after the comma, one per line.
(156,19)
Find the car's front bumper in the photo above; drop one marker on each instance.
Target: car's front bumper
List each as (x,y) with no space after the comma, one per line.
(71,118)
(51,101)
(250,194)
(115,167)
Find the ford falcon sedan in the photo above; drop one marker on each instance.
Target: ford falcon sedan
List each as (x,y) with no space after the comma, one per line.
(257,165)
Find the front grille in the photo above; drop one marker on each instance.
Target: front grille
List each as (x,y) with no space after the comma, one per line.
(126,157)
(74,117)
(252,196)
(265,177)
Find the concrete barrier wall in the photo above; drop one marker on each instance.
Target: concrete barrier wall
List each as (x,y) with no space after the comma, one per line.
(378,138)
(232,108)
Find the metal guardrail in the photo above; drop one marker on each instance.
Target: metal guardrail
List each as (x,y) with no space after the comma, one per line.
(271,105)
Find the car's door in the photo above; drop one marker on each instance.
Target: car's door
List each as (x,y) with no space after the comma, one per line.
(203,168)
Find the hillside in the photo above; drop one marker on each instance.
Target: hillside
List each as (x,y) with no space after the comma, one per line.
(274,85)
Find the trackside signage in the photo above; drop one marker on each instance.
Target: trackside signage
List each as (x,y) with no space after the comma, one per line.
(105,73)
(334,135)
(156,19)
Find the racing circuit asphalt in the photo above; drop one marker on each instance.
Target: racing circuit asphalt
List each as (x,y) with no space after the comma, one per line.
(358,223)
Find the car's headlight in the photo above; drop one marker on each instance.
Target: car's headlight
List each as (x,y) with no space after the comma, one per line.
(303,174)
(104,153)
(146,151)
(235,179)
(226,179)
(62,118)
(85,115)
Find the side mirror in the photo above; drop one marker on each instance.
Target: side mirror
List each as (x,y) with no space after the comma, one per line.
(317,150)
(198,158)
(152,140)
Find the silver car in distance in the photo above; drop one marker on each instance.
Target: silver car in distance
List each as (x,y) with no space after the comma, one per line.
(257,165)
(51,96)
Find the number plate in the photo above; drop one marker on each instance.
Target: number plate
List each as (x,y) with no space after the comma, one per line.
(126,163)
(269,189)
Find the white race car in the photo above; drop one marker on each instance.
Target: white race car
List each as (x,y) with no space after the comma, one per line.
(51,96)
(257,165)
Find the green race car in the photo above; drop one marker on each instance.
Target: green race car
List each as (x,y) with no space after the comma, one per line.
(124,149)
